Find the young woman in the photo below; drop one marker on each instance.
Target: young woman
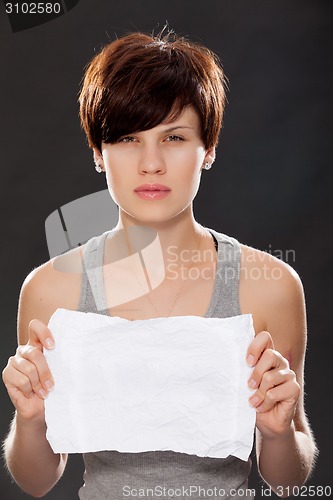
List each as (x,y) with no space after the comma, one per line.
(152,108)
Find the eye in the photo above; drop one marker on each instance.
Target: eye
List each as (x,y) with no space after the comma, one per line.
(128,138)
(173,138)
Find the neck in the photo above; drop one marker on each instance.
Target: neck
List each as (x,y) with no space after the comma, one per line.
(179,234)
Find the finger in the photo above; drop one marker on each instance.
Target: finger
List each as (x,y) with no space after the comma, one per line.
(273,378)
(269,360)
(27,368)
(40,384)
(259,344)
(14,379)
(286,393)
(40,335)
(270,380)
(39,369)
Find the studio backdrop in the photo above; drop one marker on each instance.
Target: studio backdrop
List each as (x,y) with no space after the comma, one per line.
(270,186)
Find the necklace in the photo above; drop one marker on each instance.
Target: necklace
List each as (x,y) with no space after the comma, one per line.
(174,302)
(178,292)
(177,295)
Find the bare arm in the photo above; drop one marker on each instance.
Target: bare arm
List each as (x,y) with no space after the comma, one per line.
(286,449)
(28,454)
(29,458)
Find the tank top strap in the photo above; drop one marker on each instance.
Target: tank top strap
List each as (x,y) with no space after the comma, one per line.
(92,297)
(225,300)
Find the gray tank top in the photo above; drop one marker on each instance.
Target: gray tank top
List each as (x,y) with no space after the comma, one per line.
(113,475)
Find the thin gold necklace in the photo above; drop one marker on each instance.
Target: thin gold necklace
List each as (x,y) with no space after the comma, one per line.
(179,290)
(177,295)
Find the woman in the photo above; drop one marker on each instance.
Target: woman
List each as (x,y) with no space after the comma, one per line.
(152,108)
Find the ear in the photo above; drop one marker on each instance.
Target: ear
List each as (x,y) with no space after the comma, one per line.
(98,158)
(210,155)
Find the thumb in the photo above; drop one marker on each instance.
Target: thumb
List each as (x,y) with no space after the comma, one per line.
(40,335)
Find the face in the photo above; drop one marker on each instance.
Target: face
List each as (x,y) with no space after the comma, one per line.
(170,154)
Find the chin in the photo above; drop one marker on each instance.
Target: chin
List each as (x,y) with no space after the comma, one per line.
(153,215)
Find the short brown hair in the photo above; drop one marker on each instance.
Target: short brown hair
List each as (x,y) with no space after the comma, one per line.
(138,81)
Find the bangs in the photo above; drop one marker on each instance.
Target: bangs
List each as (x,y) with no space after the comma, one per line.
(142,99)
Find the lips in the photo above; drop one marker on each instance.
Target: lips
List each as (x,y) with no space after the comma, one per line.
(152,192)
(152,187)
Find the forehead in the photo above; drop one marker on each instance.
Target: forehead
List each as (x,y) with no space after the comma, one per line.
(188,117)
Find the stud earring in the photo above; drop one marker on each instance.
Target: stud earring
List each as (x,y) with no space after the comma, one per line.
(98,168)
(207,166)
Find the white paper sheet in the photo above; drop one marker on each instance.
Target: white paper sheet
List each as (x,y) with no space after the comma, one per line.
(176,383)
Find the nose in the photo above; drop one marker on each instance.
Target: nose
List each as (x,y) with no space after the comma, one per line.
(151,160)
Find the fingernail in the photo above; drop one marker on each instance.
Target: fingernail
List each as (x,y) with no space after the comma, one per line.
(49,384)
(252,383)
(254,401)
(43,393)
(250,360)
(49,343)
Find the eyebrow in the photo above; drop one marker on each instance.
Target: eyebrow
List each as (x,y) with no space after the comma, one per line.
(176,128)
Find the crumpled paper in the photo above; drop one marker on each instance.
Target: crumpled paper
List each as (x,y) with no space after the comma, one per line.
(175,383)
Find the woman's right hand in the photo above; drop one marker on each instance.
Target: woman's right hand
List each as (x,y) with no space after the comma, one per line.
(27,376)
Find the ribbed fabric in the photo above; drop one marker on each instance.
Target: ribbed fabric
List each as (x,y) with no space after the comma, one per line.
(111,475)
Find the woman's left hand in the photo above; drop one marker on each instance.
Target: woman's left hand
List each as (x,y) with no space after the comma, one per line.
(275,385)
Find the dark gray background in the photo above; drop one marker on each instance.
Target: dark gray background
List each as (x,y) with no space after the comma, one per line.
(270,185)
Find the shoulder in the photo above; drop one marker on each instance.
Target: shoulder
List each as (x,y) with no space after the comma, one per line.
(54,284)
(276,280)
(57,278)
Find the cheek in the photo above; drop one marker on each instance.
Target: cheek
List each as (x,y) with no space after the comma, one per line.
(191,167)
(113,169)
(115,182)
(191,156)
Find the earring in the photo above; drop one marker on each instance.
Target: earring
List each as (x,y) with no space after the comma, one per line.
(98,168)
(207,166)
